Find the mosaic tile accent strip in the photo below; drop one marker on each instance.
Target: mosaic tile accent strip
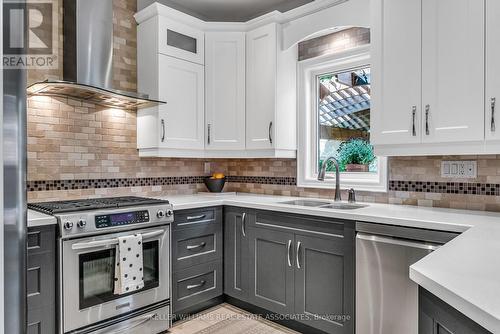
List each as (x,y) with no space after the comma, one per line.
(148,182)
(112,183)
(285,181)
(461,188)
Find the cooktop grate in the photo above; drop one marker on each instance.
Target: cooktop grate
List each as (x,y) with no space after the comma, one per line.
(92,204)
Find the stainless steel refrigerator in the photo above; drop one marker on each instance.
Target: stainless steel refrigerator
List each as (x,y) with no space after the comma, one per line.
(14,153)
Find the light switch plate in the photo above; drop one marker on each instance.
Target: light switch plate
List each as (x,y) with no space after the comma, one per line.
(459,169)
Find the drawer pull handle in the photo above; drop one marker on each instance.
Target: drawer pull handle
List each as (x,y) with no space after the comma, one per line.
(112,242)
(289,248)
(203,244)
(163,131)
(493,125)
(194,286)
(270,133)
(298,255)
(413,121)
(243,224)
(427,112)
(196,217)
(209,126)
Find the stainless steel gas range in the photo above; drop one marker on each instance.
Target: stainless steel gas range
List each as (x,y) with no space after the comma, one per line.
(89,232)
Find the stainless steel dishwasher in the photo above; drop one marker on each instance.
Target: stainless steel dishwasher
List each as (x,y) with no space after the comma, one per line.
(386,298)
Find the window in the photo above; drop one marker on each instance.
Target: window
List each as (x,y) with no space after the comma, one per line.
(343,111)
(334,120)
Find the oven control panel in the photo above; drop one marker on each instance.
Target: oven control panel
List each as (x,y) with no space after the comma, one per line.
(120,219)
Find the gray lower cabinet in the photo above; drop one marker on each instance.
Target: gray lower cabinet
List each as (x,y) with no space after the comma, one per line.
(196,284)
(437,317)
(198,245)
(272,271)
(41,280)
(197,253)
(236,253)
(303,267)
(324,282)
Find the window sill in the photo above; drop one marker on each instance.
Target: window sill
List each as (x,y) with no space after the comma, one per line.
(365,185)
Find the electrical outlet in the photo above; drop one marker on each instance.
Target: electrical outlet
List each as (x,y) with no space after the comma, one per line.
(459,169)
(207,168)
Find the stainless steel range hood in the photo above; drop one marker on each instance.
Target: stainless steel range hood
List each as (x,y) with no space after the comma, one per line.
(88,59)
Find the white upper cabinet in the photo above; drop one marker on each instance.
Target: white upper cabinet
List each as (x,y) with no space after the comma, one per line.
(170,74)
(428,77)
(396,72)
(262,48)
(181,41)
(179,124)
(270,93)
(492,124)
(182,119)
(225,91)
(229,92)
(453,70)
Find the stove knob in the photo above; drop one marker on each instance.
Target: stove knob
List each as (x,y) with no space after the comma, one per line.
(169,213)
(68,225)
(81,223)
(160,214)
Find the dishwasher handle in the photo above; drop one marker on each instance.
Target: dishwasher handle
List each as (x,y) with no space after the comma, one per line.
(397,241)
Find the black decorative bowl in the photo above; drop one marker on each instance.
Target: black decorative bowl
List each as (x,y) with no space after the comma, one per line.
(215,185)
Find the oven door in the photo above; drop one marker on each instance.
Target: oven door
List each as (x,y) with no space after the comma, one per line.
(88,272)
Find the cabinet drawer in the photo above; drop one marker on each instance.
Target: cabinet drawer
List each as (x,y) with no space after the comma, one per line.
(42,321)
(308,224)
(41,280)
(42,239)
(41,268)
(198,245)
(192,218)
(197,284)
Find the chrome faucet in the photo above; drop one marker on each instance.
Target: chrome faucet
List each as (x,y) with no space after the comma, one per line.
(322,172)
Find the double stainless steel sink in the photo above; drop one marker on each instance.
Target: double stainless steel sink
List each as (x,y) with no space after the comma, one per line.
(325,204)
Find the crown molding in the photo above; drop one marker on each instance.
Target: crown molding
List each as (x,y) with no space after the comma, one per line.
(271,17)
(156,9)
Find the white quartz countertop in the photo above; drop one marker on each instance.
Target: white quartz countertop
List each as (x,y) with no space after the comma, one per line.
(400,215)
(465,273)
(36,219)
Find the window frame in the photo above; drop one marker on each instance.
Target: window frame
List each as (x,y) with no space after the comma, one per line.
(307,153)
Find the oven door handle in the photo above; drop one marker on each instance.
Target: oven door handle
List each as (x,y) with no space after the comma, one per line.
(111,242)
(140,322)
